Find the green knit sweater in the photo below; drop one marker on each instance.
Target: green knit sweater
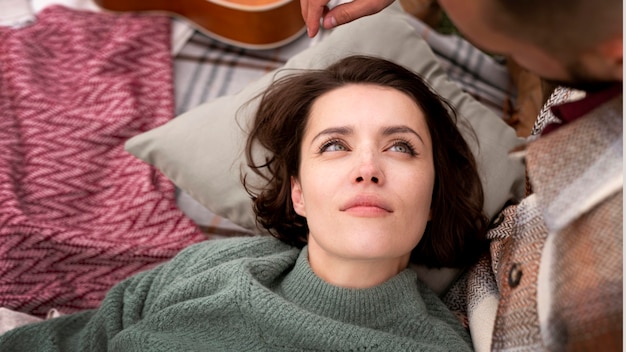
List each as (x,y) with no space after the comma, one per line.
(249,294)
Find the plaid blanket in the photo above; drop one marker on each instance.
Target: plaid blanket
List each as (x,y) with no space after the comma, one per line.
(206,68)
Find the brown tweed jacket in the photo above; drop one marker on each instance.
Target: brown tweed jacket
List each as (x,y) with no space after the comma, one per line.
(554,279)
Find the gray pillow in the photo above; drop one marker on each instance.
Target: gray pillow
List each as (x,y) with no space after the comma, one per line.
(201,151)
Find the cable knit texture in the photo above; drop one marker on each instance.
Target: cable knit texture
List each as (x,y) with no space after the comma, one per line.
(250,294)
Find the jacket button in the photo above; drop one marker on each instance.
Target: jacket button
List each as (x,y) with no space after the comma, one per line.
(515,275)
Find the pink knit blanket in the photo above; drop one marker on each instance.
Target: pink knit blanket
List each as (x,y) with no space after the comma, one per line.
(77,213)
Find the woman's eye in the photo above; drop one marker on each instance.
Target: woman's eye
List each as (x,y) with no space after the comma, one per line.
(333,146)
(403,147)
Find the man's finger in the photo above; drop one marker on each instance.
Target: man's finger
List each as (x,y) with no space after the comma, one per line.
(351,11)
(312,12)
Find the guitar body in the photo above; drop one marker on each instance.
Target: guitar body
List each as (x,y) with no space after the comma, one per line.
(253,24)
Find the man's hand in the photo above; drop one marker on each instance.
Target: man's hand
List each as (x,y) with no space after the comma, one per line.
(315,10)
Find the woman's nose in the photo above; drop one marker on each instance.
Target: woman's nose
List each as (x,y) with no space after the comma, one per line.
(368,169)
(374,179)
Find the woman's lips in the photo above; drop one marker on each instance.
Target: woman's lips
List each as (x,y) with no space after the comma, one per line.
(366,206)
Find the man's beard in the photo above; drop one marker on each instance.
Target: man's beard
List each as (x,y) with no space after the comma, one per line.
(581,80)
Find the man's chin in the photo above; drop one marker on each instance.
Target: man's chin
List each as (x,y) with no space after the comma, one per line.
(585,78)
(583,84)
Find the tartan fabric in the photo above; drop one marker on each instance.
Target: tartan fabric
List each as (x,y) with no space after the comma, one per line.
(557,256)
(206,68)
(587,282)
(580,195)
(520,252)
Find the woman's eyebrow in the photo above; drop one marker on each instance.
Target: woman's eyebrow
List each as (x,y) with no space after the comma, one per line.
(343,130)
(401,129)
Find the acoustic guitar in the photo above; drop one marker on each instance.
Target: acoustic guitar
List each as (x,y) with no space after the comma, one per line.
(253,24)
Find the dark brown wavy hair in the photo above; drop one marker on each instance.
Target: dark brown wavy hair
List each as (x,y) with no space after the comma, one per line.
(455,236)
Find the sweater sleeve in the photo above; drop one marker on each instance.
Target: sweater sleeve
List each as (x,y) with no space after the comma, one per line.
(124,305)
(88,330)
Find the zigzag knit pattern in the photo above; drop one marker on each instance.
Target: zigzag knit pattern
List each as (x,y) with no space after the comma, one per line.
(78,213)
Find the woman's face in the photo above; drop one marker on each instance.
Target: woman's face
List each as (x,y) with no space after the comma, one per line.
(366,175)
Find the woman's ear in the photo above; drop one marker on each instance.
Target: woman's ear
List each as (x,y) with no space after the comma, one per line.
(296,197)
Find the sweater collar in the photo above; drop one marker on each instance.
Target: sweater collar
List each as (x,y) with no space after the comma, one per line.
(364,307)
